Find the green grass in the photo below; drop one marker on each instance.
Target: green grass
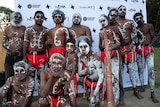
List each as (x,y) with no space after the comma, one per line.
(157,66)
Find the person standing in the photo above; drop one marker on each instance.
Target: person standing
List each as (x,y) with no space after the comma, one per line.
(110,37)
(12,41)
(77,29)
(129,33)
(58,35)
(145,50)
(35,48)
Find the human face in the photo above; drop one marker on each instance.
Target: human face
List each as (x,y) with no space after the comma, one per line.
(70,47)
(76,19)
(20,73)
(58,18)
(56,65)
(84,47)
(39,18)
(16,19)
(139,19)
(103,21)
(113,16)
(122,11)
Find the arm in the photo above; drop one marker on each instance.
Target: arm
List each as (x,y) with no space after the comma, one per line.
(4,41)
(6,87)
(25,44)
(100,72)
(88,33)
(101,42)
(81,71)
(151,32)
(116,36)
(29,92)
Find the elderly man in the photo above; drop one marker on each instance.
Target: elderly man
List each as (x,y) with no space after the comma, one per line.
(12,41)
(53,82)
(90,66)
(21,84)
(77,29)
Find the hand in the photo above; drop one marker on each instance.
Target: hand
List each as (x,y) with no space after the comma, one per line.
(67,83)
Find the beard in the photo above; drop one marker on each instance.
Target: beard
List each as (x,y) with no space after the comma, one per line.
(15,25)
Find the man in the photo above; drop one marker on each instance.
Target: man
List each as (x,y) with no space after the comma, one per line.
(129,33)
(53,83)
(111,34)
(71,63)
(77,29)
(58,35)
(12,41)
(35,47)
(22,86)
(145,50)
(90,67)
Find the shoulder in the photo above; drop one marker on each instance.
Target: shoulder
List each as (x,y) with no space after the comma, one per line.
(149,24)
(8,27)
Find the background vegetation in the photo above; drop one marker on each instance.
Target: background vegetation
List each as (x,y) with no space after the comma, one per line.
(153,14)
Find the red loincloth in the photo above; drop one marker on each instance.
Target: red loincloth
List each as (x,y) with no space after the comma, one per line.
(146,49)
(60,50)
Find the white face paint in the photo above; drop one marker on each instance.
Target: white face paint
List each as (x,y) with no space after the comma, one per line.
(103,21)
(122,11)
(138,19)
(113,16)
(84,47)
(20,73)
(16,19)
(76,18)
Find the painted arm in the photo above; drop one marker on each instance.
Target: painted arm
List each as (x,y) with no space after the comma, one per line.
(6,87)
(4,41)
(81,71)
(28,98)
(25,44)
(100,72)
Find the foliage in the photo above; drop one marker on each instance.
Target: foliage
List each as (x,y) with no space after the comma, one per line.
(157,66)
(7,12)
(153,14)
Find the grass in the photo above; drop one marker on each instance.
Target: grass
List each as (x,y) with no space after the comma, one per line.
(157,66)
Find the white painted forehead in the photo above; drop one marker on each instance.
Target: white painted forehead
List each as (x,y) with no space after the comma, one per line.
(77,14)
(83,42)
(102,18)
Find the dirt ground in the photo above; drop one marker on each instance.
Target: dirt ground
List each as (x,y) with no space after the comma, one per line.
(130,100)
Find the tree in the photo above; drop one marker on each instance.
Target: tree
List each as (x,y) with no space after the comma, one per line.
(153,14)
(5,13)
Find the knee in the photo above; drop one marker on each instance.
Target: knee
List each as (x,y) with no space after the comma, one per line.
(43,102)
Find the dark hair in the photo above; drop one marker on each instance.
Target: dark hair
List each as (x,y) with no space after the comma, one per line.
(71,40)
(137,14)
(55,12)
(103,16)
(113,9)
(121,6)
(39,12)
